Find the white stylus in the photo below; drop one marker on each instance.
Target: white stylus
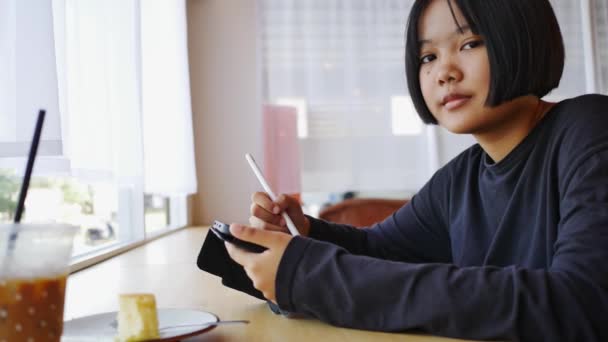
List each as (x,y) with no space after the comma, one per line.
(292,227)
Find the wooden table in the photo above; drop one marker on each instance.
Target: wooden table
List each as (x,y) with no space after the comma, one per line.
(167,268)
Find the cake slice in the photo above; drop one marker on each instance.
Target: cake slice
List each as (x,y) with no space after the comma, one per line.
(137,318)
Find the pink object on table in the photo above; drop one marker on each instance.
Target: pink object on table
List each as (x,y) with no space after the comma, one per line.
(281,149)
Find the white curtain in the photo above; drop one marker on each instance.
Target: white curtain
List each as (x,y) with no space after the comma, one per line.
(341,63)
(99,87)
(28,83)
(113,76)
(168,134)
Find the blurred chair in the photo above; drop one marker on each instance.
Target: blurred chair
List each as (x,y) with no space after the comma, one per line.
(361,212)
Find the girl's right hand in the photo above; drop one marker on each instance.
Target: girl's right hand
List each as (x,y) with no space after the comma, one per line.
(266,214)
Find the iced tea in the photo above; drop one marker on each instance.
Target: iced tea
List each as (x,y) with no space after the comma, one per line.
(31,309)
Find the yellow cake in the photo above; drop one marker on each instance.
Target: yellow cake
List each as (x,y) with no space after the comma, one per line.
(137,319)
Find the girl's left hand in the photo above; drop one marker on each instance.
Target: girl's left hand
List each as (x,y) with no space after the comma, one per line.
(261,268)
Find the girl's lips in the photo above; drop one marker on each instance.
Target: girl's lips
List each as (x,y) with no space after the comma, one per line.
(456,102)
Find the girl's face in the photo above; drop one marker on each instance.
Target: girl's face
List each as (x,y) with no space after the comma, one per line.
(455,72)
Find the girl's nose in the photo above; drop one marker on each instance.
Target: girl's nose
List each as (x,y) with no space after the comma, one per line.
(448,73)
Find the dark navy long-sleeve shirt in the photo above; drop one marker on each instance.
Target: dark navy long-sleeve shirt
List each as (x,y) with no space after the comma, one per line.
(511,250)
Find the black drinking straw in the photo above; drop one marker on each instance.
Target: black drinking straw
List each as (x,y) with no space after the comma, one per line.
(30,166)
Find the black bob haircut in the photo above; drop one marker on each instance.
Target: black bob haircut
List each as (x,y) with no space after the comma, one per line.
(524,43)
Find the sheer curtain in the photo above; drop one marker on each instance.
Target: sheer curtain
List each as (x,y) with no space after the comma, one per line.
(167,120)
(28,82)
(341,63)
(113,76)
(99,88)
(124,92)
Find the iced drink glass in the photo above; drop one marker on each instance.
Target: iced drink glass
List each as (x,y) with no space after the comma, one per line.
(34,263)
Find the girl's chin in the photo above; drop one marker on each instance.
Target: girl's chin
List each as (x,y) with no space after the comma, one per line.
(458,126)
(461,121)
(458,130)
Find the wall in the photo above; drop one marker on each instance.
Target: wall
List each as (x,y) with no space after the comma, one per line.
(226,104)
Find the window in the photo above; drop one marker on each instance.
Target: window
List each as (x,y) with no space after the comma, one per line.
(92,207)
(405,120)
(102,163)
(600,13)
(156,211)
(344,60)
(569,16)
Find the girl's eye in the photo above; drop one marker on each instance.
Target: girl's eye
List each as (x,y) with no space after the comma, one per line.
(472,45)
(427,59)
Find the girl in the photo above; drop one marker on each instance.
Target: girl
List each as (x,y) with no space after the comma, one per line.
(507,241)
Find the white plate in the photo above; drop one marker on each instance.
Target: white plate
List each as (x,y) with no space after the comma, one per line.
(101,327)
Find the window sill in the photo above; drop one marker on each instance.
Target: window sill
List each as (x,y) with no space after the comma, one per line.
(89,259)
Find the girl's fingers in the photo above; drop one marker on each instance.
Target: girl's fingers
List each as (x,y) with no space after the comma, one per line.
(264,215)
(283,202)
(263,200)
(260,224)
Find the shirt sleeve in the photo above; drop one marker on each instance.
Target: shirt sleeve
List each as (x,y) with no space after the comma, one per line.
(566,302)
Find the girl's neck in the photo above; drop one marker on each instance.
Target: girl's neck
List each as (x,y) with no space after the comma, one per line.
(499,141)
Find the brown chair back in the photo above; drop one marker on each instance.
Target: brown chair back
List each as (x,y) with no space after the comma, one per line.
(361,212)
